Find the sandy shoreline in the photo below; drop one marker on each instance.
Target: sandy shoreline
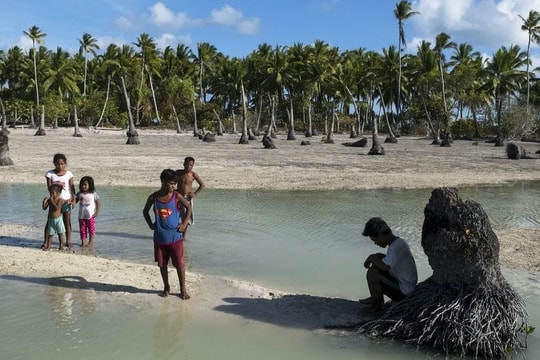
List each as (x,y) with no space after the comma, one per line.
(411,163)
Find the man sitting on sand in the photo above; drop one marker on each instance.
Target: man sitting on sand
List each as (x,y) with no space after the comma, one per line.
(393,274)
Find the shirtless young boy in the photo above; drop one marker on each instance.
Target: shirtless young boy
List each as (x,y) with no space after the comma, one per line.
(171,218)
(55,223)
(186,177)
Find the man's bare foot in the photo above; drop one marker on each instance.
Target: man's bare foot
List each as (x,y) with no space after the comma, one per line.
(184,296)
(61,248)
(44,248)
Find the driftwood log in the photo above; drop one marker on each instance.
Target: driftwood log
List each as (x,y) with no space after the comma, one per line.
(359,143)
(466,307)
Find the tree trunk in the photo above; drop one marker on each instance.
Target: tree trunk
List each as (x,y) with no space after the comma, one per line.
(106,101)
(41,130)
(219,124)
(177,121)
(32,122)
(309,131)
(376,148)
(195,126)
(5,130)
(290,134)
(244,137)
(434,132)
(133,136)
(4,151)
(77,131)
(466,306)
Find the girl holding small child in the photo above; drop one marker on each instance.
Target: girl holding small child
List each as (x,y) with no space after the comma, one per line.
(88,200)
(62,176)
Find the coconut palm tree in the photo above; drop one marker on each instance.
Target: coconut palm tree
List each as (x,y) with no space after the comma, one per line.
(442,42)
(88,45)
(403,11)
(206,53)
(504,78)
(532,25)
(278,75)
(35,34)
(425,71)
(466,80)
(150,64)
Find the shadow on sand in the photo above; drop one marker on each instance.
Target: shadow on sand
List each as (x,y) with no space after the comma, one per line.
(78,282)
(298,311)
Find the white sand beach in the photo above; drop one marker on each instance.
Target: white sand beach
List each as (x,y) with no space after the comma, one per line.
(411,163)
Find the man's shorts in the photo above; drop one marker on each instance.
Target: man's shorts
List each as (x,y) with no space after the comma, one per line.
(390,286)
(174,251)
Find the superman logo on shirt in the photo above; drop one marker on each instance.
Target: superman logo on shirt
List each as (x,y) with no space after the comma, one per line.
(164,213)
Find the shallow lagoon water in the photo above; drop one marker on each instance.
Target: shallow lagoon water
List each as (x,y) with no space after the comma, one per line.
(303,242)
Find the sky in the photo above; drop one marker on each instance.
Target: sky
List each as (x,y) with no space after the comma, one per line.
(238,27)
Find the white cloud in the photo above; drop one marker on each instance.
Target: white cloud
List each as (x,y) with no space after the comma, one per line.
(163,17)
(227,15)
(167,39)
(249,27)
(105,41)
(488,24)
(124,23)
(25,43)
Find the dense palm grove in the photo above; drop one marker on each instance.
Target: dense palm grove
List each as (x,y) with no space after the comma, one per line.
(444,88)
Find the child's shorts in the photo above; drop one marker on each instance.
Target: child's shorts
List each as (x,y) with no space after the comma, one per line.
(174,251)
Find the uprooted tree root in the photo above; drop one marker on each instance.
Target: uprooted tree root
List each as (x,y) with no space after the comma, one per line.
(488,322)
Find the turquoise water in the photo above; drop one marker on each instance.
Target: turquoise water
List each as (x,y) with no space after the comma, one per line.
(303,242)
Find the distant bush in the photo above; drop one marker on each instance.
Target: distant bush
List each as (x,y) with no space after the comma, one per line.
(463,128)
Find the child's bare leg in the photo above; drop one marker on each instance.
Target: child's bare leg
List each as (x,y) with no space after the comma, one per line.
(47,244)
(66,217)
(182,278)
(45,235)
(61,241)
(165,278)
(91,241)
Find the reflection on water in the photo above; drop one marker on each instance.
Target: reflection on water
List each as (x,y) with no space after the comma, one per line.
(302,241)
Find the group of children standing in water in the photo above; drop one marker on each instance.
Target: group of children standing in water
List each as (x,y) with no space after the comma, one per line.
(171,205)
(62,199)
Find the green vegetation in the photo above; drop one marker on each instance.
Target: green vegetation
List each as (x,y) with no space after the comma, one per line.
(442,88)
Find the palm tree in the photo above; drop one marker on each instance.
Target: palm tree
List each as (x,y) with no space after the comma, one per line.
(150,65)
(504,78)
(466,80)
(402,12)
(88,45)
(532,25)
(35,34)
(206,53)
(62,77)
(442,42)
(278,75)
(425,72)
